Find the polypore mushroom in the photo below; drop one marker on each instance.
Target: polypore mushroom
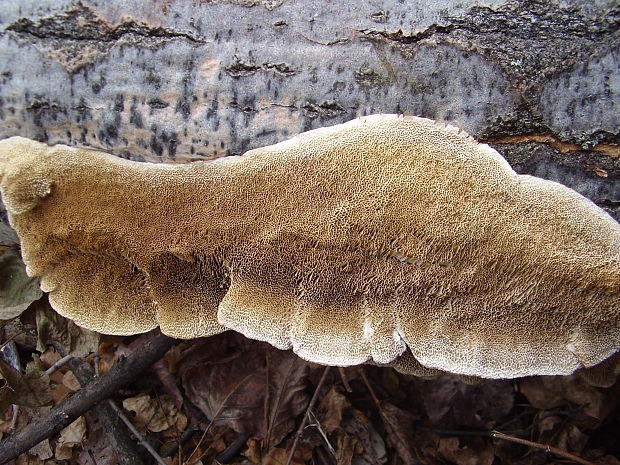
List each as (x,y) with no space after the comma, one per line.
(381,238)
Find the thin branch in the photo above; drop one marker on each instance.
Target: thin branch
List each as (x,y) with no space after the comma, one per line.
(65,413)
(116,433)
(175,447)
(216,415)
(58,364)
(546,447)
(143,442)
(15,410)
(345,380)
(304,422)
(317,424)
(234,448)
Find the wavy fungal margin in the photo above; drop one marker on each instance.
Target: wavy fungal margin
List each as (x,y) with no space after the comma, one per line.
(387,239)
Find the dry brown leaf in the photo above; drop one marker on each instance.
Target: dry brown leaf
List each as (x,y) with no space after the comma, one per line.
(51,327)
(348,447)
(70,436)
(332,410)
(168,381)
(254,450)
(399,426)
(27,459)
(600,172)
(71,382)
(478,453)
(17,289)
(453,403)
(279,456)
(259,390)
(59,390)
(549,392)
(575,440)
(286,377)
(49,357)
(368,447)
(96,446)
(543,392)
(42,450)
(30,390)
(154,414)
(608,460)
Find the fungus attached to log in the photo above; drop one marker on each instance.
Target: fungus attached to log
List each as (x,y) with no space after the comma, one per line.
(386,239)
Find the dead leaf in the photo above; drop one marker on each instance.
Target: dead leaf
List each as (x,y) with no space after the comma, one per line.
(49,357)
(154,414)
(71,382)
(254,450)
(477,452)
(332,410)
(549,392)
(27,459)
(278,456)
(17,289)
(399,425)
(96,446)
(30,390)
(42,450)
(70,436)
(352,436)
(259,390)
(51,327)
(543,392)
(600,172)
(368,447)
(453,403)
(169,382)
(349,447)
(286,377)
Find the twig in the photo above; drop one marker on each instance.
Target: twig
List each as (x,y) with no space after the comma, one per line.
(11,355)
(234,448)
(345,381)
(100,389)
(143,442)
(15,409)
(173,448)
(10,339)
(58,364)
(96,359)
(546,447)
(116,433)
(317,425)
(399,443)
(304,422)
(373,395)
(215,416)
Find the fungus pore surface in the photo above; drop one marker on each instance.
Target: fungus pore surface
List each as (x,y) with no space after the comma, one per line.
(388,239)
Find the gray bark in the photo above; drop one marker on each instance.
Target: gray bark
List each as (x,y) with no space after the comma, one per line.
(178,80)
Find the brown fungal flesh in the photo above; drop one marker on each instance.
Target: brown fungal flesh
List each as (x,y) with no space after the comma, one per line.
(381,238)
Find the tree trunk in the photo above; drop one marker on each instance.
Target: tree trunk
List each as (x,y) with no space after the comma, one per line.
(174,80)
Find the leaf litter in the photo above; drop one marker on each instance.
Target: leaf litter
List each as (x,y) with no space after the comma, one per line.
(227,399)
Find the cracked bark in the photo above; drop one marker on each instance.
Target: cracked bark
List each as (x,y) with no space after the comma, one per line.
(173,83)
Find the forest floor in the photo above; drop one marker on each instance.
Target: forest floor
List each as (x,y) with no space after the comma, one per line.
(228,399)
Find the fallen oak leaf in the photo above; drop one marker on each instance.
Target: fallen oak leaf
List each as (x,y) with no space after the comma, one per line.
(29,390)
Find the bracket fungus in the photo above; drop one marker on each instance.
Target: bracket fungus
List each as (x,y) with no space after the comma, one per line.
(388,239)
